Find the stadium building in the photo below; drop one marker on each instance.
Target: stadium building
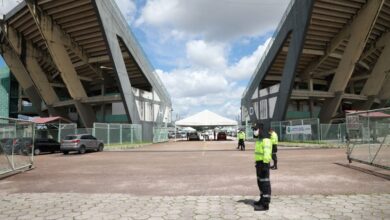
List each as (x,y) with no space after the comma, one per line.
(326,57)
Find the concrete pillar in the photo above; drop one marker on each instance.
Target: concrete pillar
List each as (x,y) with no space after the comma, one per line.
(54,38)
(374,83)
(360,30)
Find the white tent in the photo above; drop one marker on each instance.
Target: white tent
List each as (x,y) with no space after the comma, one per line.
(206,118)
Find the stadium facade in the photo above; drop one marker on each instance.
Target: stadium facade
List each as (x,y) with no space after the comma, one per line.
(79,59)
(326,57)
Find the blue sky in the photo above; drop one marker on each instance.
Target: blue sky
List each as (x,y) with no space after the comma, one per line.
(204,51)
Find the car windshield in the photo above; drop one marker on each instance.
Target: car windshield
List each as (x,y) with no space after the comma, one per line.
(71,137)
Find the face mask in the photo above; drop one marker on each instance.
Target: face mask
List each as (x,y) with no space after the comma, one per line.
(256,132)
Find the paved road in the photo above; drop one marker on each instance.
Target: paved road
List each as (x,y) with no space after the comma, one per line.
(194,168)
(193,180)
(123,206)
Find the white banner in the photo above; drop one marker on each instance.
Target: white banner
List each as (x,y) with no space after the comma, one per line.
(298,129)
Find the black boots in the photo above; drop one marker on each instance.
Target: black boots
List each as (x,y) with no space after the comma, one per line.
(261,207)
(274,167)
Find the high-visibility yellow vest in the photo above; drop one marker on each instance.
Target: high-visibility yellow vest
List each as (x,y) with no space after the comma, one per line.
(263,150)
(274,137)
(241,135)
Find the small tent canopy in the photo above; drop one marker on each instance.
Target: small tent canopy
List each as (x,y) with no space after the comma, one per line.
(50,120)
(206,118)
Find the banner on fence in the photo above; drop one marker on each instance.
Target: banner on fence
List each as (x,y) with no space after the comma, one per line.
(298,129)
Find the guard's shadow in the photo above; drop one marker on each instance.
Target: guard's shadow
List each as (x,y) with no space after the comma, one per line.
(249,202)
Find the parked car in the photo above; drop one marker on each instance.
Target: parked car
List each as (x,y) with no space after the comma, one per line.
(44,145)
(81,143)
(193,136)
(221,135)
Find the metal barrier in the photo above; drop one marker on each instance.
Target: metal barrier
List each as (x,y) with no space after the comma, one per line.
(302,130)
(309,130)
(16,145)
(117,133)
(160,134)
(368,135)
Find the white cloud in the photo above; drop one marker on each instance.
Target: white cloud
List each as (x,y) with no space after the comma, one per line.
(247,64)
(214,20)
(128,9)
(201,86)
(7,5)
(206,55)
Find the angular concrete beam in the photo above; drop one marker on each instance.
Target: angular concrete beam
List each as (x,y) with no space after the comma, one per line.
(384,94)
(360,31)
(336,41)
(39,77)
(373,85)
(19,71)
(53,37)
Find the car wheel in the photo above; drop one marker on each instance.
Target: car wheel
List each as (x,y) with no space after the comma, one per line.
(82,150)
(37,151)
(65,152)
(100,149)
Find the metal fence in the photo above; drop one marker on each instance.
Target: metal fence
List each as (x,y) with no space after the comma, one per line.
(117,133)
(368,134)
(160,134)
(16,145)
(309,130)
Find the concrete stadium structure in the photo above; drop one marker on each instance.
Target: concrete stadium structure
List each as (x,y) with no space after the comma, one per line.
(78,59)
(327,56)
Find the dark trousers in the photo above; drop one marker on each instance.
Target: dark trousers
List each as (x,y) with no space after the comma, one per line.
(274,157)
(241,144)
(263,181)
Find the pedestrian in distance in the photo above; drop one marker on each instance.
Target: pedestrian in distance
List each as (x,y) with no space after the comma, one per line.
(263,155)
(241,140)
(274,141)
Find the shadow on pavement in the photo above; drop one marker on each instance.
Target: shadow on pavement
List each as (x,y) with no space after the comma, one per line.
(249,202)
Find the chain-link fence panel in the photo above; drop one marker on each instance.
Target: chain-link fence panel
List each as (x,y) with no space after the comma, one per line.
(333,133)
(113,134)
(368,135)
(16,145)
(302,130)
(248,131)
(160,134)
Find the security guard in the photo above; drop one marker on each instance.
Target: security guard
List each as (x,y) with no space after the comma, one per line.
(263,151)
(274,140)
(241,140)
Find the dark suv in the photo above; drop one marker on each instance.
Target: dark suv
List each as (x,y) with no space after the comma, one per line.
(44,145)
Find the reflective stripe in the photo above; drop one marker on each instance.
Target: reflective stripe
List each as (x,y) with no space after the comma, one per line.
(267,196)
(258,153)
(264,180)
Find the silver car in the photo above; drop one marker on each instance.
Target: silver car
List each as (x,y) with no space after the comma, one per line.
(81,143)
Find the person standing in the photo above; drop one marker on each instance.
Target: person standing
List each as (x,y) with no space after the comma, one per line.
(241,140)
(274,140)
(263,155)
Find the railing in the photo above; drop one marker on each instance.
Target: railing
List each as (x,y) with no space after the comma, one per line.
(368,134)
(16,145)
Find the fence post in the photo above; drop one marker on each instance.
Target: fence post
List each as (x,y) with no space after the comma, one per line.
(59,132)
(108,134)
(131,134)
(120,133)
(93,130)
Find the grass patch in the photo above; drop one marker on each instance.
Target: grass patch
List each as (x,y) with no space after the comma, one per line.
(126,145)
